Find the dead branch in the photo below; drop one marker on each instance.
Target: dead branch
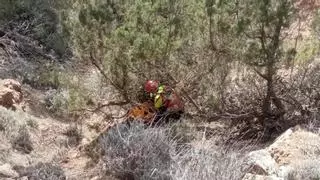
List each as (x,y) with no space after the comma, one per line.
(100,106)
(112,103)
(260,74)
(103,73)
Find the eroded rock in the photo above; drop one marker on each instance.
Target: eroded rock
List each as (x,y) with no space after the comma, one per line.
(6,171)
(10,94)
(261,163)
(286,154)
(250,176)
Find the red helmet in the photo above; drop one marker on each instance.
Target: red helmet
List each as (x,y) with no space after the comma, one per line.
(151,86)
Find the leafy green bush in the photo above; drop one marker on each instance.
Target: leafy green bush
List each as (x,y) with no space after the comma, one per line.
(64,101)
(316,24)
(72,92)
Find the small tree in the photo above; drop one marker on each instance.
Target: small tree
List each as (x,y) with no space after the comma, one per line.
(261,24)
(125,40)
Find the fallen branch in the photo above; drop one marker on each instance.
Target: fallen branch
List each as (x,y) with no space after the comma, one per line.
(100,106)
(216,117)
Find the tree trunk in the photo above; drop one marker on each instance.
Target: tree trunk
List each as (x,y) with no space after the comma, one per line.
(269,115)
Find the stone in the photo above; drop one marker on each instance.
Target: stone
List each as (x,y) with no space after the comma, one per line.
(12,84)
(17,159)
(250,176)
(6,171)
(295,149)
(10,93)
(261,162)
(6,97)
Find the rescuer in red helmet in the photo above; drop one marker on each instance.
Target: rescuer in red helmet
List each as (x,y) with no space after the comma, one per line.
(164,97)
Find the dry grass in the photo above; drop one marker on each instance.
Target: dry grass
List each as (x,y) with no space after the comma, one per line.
(42,171)
(14,128)
(22,142)
(208,162)
(74,135)
(136,152)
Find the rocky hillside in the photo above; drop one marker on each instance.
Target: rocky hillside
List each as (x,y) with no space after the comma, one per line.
(36,146)
(70,70)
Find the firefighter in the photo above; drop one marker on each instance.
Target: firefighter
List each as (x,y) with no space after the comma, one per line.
(164,98)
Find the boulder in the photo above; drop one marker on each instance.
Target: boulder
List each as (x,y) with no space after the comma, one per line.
(285,155)
(6,171)
(250,176)
(18,159)
(10,93)
(261,162)
(12,84)
(6,98)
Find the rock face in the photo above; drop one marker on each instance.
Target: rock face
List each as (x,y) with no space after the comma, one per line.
(10,93)
(283,158)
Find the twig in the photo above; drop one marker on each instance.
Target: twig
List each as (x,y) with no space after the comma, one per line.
(260,74)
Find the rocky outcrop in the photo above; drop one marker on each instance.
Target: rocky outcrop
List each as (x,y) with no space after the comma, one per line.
(250,176)
(283,158)
(6,171)
(10,93)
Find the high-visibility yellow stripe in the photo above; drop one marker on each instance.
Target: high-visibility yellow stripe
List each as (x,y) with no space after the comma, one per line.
(158,101)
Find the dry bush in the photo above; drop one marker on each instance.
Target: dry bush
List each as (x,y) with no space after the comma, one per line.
(136,152)
(133,152)
(22,142)
(298,89)
(244,95)
(32,123)
(42,171)
(208,163)
(74,135)
(301,95)
(241,104)
(14,127)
